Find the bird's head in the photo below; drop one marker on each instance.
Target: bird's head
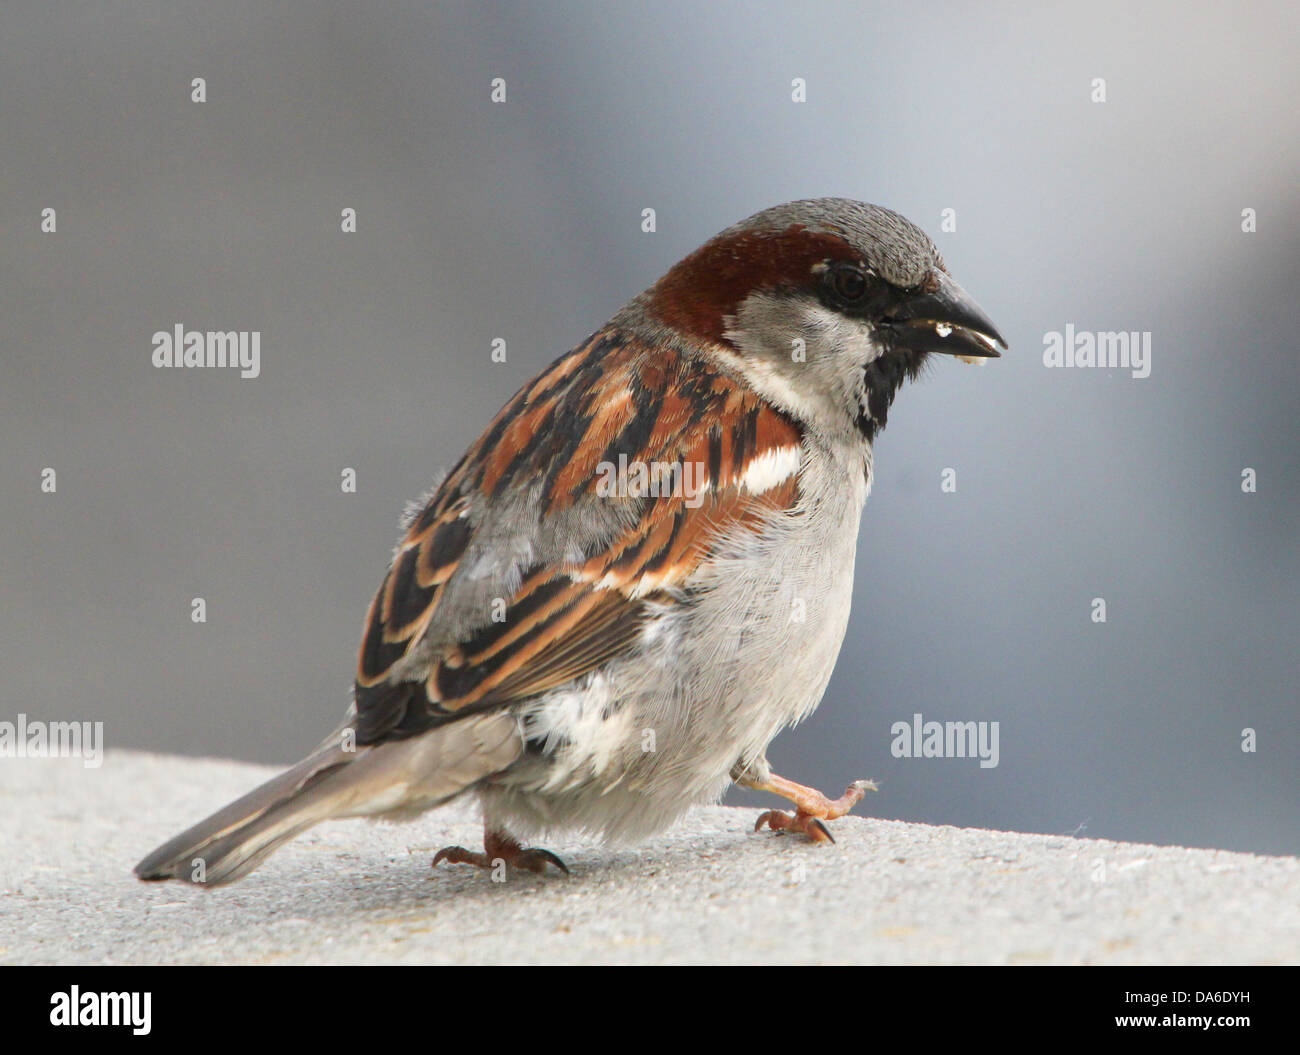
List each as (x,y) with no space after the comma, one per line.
(826,305)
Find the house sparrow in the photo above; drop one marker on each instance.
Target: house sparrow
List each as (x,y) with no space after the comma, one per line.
(641,572)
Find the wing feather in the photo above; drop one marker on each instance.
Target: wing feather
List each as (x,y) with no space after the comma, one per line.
(611,401)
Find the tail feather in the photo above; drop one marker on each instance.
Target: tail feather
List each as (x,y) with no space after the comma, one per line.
(398,778)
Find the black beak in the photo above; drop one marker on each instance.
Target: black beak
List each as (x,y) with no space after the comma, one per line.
(946,321)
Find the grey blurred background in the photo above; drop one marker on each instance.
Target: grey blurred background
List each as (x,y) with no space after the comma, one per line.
(522,221)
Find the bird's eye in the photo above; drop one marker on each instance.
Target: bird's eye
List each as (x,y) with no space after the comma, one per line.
(849,283)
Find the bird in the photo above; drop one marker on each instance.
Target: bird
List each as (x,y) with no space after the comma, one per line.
(641,572)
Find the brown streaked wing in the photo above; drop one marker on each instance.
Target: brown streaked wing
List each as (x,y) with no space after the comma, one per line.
(609,397)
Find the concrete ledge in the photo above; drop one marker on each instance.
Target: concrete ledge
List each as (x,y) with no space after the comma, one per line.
(708,891)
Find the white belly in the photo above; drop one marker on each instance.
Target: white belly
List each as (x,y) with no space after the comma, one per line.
(625,751)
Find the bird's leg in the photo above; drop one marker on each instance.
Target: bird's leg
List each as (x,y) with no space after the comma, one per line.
(811,806)
(498,847)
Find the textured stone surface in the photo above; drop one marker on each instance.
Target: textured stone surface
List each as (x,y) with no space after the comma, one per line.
(708,891)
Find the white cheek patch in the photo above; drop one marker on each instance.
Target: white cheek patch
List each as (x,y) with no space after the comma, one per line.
(836,336)
(804,358)
(770,469)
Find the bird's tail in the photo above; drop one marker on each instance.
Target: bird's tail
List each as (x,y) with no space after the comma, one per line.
(397,778)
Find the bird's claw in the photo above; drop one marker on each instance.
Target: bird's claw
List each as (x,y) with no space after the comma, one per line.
(532,860)
(536,860)
(781,822)
(812,808)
